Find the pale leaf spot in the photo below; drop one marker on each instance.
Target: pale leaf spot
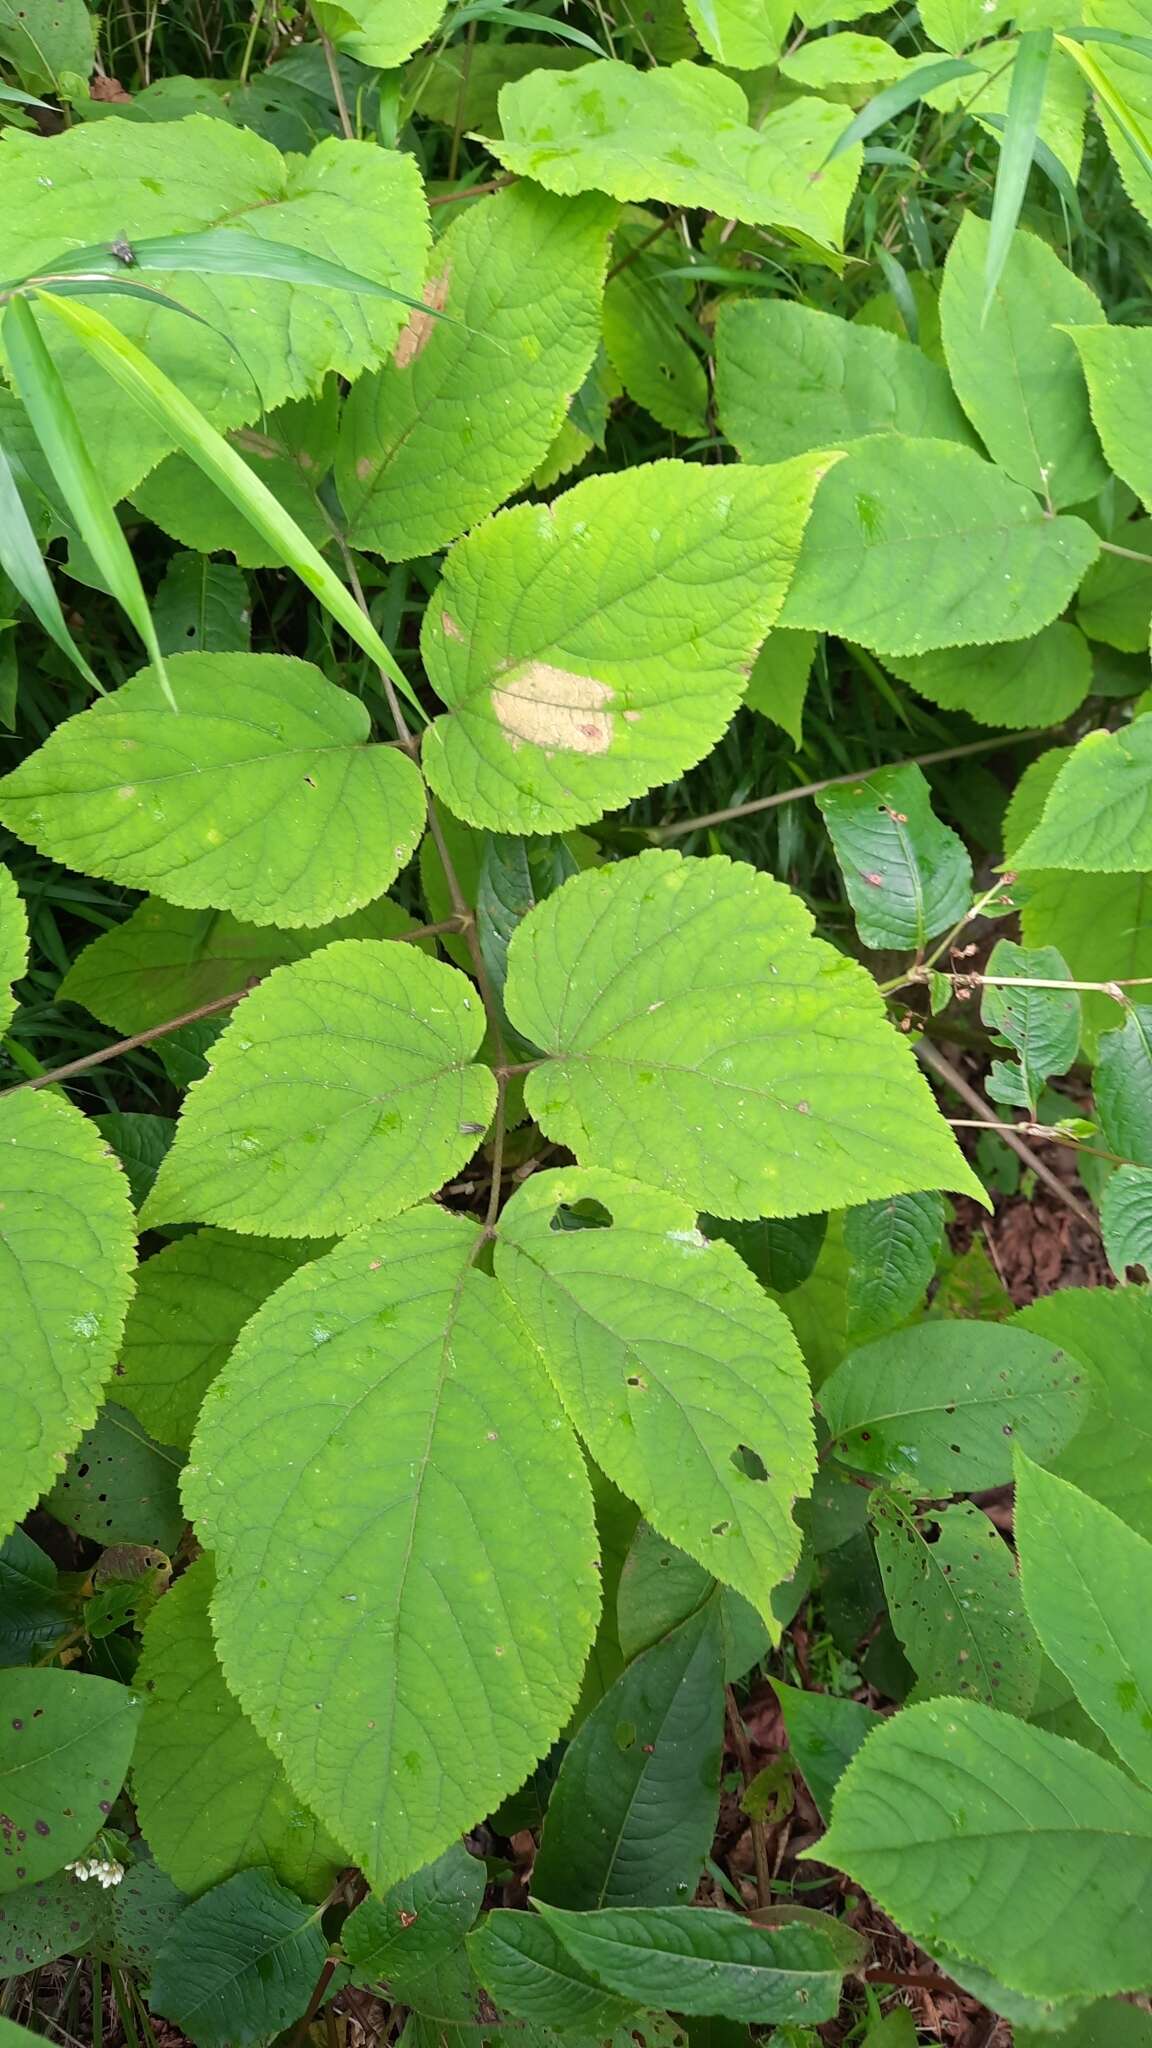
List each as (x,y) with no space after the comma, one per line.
(555,709)
(451,629)
(418,332)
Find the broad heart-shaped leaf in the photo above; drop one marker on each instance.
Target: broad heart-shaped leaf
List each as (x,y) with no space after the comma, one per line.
(468,405)
(416,1924)
(1098,815)
(893,1248)
(595,647)
(1021,683)
(210,1795)
(259,795)
(907,876)
(67,1745)
(1087,1583)
(699,1961)
(528,1971)
(939,1406)
(634,1808)
(1013,1847)
(1117,362)
(1041,1025)
(789,379)
(265,341)
(1109,1333)
(463,1548)
(1126,1220)
(702,1040)
(956,1605)
(342,1089)
(679,133)
(240,1963)
(192,1300)
(1014,368)
(914,545)
(1122,1086)
(668,1356)
(67,1249)
(824,1732)
(13,945)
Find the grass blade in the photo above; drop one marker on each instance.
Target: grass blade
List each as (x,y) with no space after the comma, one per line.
(23,564)
(219,461)
(1129,124)
(894,98)
(23,99)
(1017,149)
(57,429)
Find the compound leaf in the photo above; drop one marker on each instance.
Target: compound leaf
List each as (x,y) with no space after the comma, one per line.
(67,1746)
(240,1962)
(699,1961)
(907,876)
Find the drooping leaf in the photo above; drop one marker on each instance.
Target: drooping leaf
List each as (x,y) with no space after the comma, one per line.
(1108,1332)
(1126,1219)
(526,1968)
(696,1960)
(67,1745)
(790,379)
(417,1924)
(467,406)
(592,649)
(1122,1086)
(1098,815)
(1040,1024)
(259,796)
(678,133)
(988,1836)
(778,684)
(66,1255)
(13,945)
(732,1059)
(824,1732)
(652,342)
(22,563)
(118,1486)
(660,1586)
(940,1406)
(202,607)
(907,876)
(35,1610)
(1116,362)
(240,1962)
(469,1527)
(893,1248)
(1021,683)
(956,1605)
(343,1088)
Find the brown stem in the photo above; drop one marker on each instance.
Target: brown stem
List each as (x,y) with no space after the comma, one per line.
(946,1072)
(743,1748)
(337,83)
(470,192)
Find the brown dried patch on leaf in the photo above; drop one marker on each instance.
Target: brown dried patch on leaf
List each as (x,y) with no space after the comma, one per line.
(450,628)
(414,337)
(555,709)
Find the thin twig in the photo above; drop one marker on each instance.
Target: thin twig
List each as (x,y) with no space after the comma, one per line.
(946,1072)
(470,191)
(743,1748)
(1115,989)
(346,128)
(1054,1137)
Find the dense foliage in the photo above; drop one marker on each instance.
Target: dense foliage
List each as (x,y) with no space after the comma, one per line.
(638,519)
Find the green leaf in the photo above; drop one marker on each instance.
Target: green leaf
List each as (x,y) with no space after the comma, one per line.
(240,1963)
(1014,367)
(526,1968)
(680,134)
(68,1249)
(667,1354)
(843,58)
(778,684)
(1041,1025)
(914,545)
(695,1960)
(956,1605)
(742,33)
(1021,128)
(1126,1219)
(145,1907)
(202,607)
(940,1406)
(515,875)
(342,1089)
(652,342)
(1098,815)
(790,379)
(824,1732)
(1117,362)
(257,737)
(1115,599)
(907,876)
(884,106)
(13,945)
(1109,1333)
(1104,2025)
(660,1586)
(1087,1581)
(978,1832)
(34,1610)
(470,1526)
(291,453)
(139,1140)
(702,1040)
(210,1795)
(417,1924)
(893,1249)
(634,1809)
(596,648)
(386,31)
(57,1917)
(460,417)
(265,341)
(118,1486)
(1021,683)
(67,1746)
(42,41)
(781,1250)
(21,562)
(1122,1086)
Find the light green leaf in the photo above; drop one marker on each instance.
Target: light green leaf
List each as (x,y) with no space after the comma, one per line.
(417,1924)
(1126,1220)
(467,407)
(884,106)
(210,1795)
(1015,369)
(907,876)
(291,451)
(1109,1332)
(42,38)
(652,342)
(778,684)
(342,1089)
(956,1605)
(386,31)
(634,1808)
(1121,84)
(893,1249)
(526,1968)
(202,607)
(696,1960)
(668,1355)
(940,1406)
(593,648)
(1062,110)
(470,1527)
(1117,362)
(702,1040)
(1040,1024)
(67,1745)
(240,1963)
(789,379)
(120,1487)
(1021,683)
(824,1732)
(261,795)
(265,341)
(679,133)
(1098,815)
(845,58)
(1122,1086)
(66,1258)
(1087,1584)
(914,545)
(976,1831)
(13,945)
(742,33)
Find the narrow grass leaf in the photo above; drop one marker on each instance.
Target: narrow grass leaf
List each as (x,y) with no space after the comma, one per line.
(22,563)
(885,106)
(1022,121)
